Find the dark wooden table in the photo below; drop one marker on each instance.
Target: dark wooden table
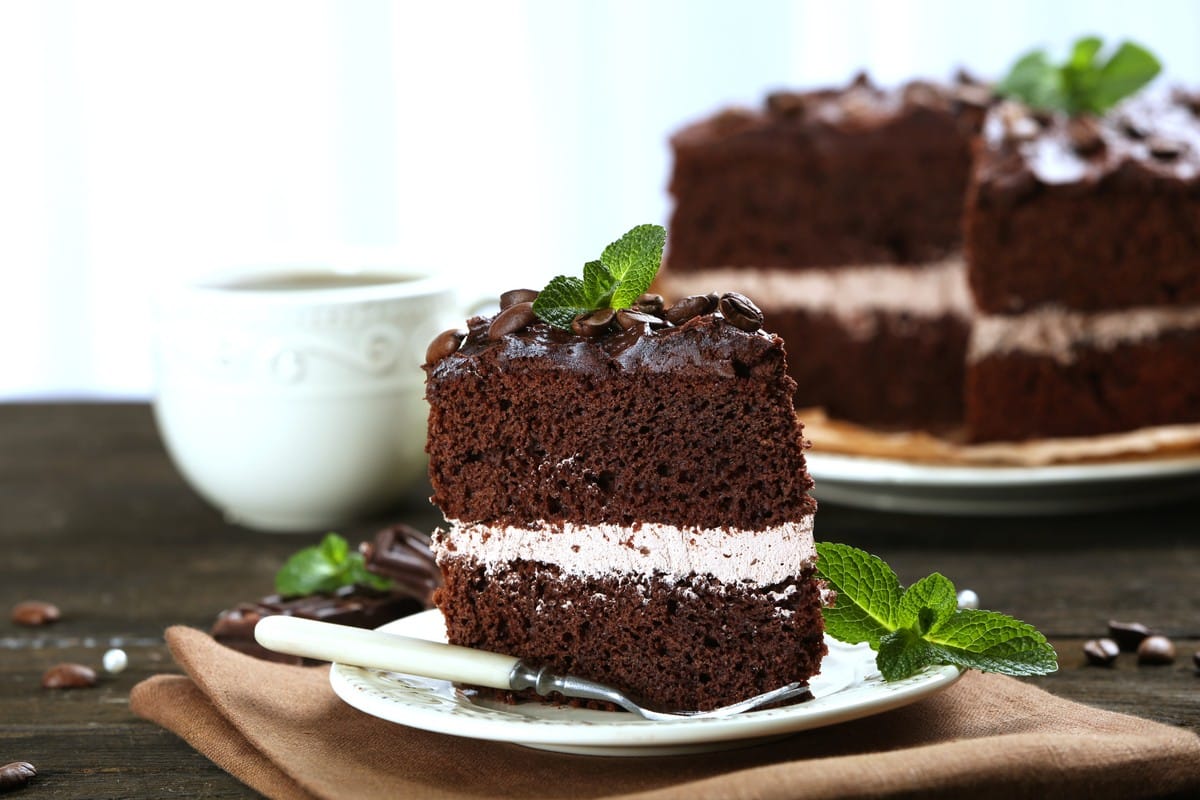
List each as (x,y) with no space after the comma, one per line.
(94,518)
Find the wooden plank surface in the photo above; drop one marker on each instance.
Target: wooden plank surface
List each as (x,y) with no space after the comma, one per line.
(95,519)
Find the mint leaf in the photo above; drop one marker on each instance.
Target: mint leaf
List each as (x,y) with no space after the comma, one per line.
(927,604)
(1082,84)
(561,301)
(634,260)
(1129,69)
(623,273)
(325,567)
(868,594)
(922,626)
(993,642)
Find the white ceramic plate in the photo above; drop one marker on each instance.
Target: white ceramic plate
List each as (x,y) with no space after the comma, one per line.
(890,485)
(848,687)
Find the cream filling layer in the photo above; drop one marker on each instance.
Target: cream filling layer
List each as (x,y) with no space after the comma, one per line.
(932,290)
(1058,333)
(759,558)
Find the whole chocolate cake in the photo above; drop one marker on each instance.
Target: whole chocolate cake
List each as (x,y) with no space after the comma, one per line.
(841,210)
(1083,236)
(628,501)
(1075,312)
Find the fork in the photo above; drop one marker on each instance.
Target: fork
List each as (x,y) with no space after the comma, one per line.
(326,641)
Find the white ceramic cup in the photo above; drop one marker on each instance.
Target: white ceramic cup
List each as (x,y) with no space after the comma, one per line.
(292,398)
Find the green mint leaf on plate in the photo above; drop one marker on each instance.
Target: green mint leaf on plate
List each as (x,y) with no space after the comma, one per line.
(921,626)
(325,567)
(868,594)
(1085,83)
(623,273)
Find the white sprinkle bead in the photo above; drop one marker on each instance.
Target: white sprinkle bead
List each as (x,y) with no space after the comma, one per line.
(115,661)
(968,599)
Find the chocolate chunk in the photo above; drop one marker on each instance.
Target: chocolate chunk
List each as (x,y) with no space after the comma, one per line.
(444,344)
(357,606)
(1101,652)
(1165,149)
(786,105)
(1156,649)
(402,554)
(1127,635)
(861,80)
(512,319)
(689,307)
(627,318)
(740,312)
(35,612)
(16,775)
(593,323)
(514,296)
(649,303)
(1085,137)
(68,676)
(1019,124)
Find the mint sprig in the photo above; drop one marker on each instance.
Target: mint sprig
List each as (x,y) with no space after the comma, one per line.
(1084,83)
(922,626)
(325,567)
(624,272)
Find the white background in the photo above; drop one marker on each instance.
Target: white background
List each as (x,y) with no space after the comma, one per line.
(145,142)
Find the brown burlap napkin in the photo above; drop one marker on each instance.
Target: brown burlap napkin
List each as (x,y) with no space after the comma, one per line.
(281,730)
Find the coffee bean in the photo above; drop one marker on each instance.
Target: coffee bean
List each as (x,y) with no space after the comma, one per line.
(649,303)
(444,344)
(35,612)
(1101,652)
(628,318)
(1127,635)
(68,676)
(514,296)
(512,319)
(593,323)
(788,105)
(689,307)
(1085,137)
(1156,649)
(1164,149)
(16,775)
(740,312)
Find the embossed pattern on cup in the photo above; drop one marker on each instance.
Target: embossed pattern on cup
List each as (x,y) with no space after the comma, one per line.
(293,404)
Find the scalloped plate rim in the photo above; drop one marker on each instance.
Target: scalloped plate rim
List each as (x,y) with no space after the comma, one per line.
(433,705)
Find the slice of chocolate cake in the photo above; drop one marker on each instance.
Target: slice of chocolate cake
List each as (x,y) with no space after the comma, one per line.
(629,505)
(841,210)
(1083,235)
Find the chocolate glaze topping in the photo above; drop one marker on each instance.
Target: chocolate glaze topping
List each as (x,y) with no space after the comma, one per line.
(1143,141)
(859,106)
(704,339)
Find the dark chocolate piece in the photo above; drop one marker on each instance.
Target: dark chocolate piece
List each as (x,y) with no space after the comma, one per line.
(401,553)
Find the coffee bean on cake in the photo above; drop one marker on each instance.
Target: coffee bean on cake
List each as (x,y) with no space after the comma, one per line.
(690,307)
(740,312)
(594,323)
(514,296)
(444,344)
(511,320)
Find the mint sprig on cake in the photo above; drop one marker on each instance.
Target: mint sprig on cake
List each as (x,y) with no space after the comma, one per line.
(1086,83)
(922,626)
(621,275)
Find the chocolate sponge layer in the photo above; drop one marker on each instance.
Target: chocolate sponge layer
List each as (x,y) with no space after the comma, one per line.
(690,645)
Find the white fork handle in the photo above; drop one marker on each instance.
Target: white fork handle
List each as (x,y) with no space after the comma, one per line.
(376,650)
